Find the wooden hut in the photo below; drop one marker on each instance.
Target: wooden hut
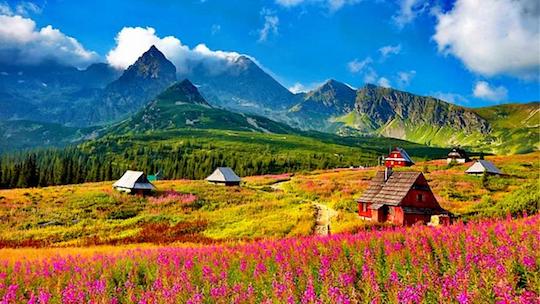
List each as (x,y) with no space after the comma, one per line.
(482,166)
(398,158)
(457,155)
(401,198)
(224,176)
(134,182)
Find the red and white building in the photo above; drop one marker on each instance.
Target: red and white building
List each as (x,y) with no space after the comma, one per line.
(398,158)
(401,198)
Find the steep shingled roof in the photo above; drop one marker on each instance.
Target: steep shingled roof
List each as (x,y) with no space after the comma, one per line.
(390,192)
(373,189)
(396,188)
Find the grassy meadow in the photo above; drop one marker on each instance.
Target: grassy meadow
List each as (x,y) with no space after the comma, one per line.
(266,206)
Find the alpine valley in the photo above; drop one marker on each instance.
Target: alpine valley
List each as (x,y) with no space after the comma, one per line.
(55,105)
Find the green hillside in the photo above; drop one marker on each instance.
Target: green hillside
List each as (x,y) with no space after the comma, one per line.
(516,127)
(195,153)
(181,106)
(24,134)
(502,129)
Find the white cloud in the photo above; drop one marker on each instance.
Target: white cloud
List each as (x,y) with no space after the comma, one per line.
(132,42)
(389,50)
(298,87)
(331,5)
(451,98)
(289,3)
(22,42)
(370,76)
(26,8)
(216,28)
(384,82)
(5,9)
(408,11)
(484,90)
(405,78)
(493,37)
(356,66)
(270,27)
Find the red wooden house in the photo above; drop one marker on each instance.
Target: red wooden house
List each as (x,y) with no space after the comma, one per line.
(402,198)
(398,158)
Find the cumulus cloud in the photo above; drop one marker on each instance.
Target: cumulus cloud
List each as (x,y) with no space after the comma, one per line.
(26,8)
(389,50)
(484,90)
(383,82)
(270,26)
(405,78)
(408,11)
(332,5)
(299,87)
(23,43)
(356,66)
(493,37)
(132,42)
(454,98)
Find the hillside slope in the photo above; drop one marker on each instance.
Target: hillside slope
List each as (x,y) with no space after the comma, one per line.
(516,127)
(181,106)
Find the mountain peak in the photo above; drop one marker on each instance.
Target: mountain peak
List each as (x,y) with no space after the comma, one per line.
(182,92)
(152,64)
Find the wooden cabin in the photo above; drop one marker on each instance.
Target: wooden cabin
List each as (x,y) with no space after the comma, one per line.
(401,198)
(224,176)
(481,167)
(134,182)
(458,156)
(398,158)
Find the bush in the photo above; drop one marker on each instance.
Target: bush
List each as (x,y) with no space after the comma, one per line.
(122,214)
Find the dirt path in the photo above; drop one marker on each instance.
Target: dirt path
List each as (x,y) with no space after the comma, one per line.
(323,217)
(278,185)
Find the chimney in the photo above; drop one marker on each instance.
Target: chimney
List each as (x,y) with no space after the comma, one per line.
(387,173)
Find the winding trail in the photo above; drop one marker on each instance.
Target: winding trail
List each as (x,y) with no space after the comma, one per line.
(323,217)
(323,214)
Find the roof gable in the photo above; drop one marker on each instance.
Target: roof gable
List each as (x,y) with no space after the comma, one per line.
(223,174)
(134,180)
(481,166)
(396,188)
(404,155)
(391,192)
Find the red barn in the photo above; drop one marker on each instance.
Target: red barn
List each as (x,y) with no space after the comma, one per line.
(402,198)
(398,158)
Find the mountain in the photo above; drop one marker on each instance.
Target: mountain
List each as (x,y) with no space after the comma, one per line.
(388,112)
(392,113)
(242,86)
(182,106)
(50,92)
(147,77)
(516,127)
(331,99)
(23,134)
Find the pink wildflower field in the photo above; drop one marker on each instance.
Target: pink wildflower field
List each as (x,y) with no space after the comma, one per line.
(489,261)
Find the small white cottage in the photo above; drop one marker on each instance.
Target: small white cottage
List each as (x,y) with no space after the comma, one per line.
(225,176)
(134,182)
(483,167)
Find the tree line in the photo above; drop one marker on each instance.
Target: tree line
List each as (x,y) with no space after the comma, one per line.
(73,165)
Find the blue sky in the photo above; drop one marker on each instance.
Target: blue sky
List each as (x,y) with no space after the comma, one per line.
(428,48)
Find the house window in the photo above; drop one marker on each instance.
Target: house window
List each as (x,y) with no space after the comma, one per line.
(364,207)
(419,197)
